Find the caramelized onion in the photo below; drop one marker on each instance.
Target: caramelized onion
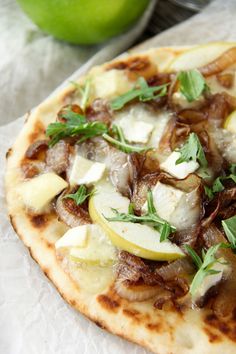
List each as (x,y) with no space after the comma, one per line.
(225,60)
(57,157)
(99,111)
(179,268)
(36,148)
(135,292)
(71,214)
(224,303)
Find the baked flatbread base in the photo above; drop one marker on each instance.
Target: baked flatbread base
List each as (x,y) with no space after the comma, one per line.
(161,331)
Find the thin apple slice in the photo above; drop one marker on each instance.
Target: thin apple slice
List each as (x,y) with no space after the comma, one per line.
(137,239)
(199,56)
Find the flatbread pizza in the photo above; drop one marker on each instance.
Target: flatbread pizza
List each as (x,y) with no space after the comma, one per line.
(123,188)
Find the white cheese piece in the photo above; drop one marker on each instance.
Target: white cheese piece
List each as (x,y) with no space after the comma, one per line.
(181,170)
(85,171)
(98,250)
(180,209)
(155,124)
(136,131)
(38,192)
(111,83)
(211,280)
(75,237)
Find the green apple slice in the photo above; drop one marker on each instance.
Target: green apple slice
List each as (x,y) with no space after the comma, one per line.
(140,240)
(199,56)
(98,249)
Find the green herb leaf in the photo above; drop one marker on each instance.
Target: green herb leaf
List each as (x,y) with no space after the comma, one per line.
(75,124)
(150,218)
(192,150)
(218,185)
(141,91)
(121,143)
(192,84)
(84,91)
(204,266)
(229,226)
(80,196)
(232,168)
(195,257)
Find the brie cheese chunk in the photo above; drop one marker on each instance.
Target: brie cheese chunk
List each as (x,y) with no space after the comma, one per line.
(136,131)
(180,209)
(212,279)
(75,237)
(85,171)
(111,83)
(181,170)
(39,191)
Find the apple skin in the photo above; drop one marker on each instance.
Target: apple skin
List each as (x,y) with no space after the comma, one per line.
(83,21)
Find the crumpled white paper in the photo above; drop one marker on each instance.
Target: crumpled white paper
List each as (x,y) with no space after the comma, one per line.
(34,319)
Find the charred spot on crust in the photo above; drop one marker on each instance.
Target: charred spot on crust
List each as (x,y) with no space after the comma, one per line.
(131,313)
(8,153)
(135,67)
(213,337)
(73,303)
(37,131)
(226,326)
(99,324)
(107,303)
(39,221)
(154,327)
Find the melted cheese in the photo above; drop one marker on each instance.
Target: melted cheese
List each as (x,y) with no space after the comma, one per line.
(85,171)
(181,170)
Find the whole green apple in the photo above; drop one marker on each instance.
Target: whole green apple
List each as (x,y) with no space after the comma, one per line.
(83,21)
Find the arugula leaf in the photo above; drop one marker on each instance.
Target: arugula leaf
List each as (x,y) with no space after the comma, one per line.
(229,226)
(75,124)
(141,91)
(80,195)
(84,91)
(218,185)
(192,84)
(232,168)
(121,142)
(150,218)
(192,150)
(204,265)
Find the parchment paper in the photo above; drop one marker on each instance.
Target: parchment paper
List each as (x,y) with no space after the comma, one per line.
(33,317)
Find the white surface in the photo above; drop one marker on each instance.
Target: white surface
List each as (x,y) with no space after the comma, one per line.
(33,317)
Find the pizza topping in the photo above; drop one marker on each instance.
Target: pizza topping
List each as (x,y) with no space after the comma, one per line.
(99,111)
(192,150)
(225,60)
(127,233)
(75,125)
(70,213)
(178,170)
(210,270)
(97,249)
(39,191)
(136,131)
(142,91)
(84,171)
(229,226)
(120,141)
(180,209)
(74,237)
(192,84)
(80,195)
(57,157)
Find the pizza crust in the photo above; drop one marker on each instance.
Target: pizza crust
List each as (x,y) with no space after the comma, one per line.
(161,331)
